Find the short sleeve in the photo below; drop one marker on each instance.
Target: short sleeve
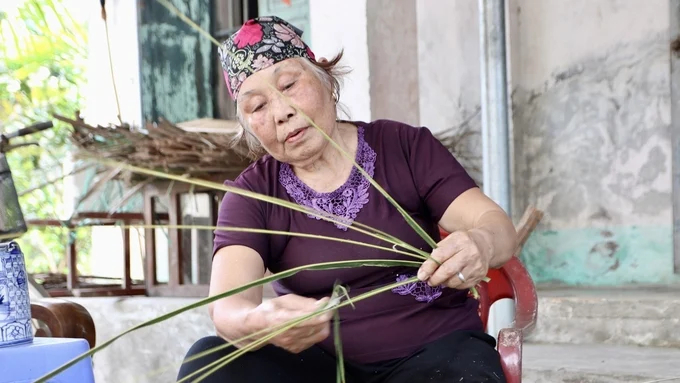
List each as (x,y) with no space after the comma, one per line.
(237,211)
(437,174)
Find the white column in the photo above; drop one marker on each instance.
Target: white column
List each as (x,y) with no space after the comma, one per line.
(341,24)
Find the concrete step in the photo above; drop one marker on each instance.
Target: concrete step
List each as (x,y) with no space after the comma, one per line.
(639,317)
(589,363)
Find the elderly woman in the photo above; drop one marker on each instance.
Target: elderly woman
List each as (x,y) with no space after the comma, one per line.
(426,332)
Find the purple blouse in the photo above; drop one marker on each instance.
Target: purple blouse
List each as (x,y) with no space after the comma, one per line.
(422,176)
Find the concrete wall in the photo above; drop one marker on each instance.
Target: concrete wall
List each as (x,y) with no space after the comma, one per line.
(591,126)
(149,355)
(591,116)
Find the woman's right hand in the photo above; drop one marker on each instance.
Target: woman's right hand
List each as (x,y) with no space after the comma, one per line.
(277,311)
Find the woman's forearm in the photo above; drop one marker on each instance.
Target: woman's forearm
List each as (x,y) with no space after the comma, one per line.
(234,319)
(235,266)
(495,234)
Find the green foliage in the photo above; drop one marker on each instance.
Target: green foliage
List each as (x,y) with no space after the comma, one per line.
(42,63)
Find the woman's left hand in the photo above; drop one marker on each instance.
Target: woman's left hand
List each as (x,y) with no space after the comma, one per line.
(464,261)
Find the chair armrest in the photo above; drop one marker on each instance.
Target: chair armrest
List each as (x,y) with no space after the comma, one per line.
(526,299)
(64,319)
(510,349)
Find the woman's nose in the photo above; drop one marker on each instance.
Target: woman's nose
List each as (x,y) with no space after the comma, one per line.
(286,116)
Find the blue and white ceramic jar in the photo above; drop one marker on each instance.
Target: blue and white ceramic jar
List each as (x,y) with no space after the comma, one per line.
(15,304)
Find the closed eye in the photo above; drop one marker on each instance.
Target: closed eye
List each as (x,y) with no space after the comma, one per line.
(288,86)
(260,106)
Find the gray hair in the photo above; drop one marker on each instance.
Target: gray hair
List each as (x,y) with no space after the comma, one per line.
(330,75)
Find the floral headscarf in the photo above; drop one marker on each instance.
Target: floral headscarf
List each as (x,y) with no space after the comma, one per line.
(258,44)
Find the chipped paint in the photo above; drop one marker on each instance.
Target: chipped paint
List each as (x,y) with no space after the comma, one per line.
(593,150)
(176,62)
(510,338)
(601,257)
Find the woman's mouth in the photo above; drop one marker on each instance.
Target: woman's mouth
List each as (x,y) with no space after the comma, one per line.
(296,135)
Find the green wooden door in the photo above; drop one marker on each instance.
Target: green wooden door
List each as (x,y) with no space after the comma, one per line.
(176,62)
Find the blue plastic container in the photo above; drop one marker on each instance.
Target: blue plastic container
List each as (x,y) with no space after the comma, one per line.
(27,362)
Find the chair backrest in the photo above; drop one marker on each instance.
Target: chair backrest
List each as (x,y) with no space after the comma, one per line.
(60,318)
(512,280)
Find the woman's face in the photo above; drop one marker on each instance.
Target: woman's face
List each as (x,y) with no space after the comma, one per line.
(282,131)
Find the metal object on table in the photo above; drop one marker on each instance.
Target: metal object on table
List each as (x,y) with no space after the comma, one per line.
(12,223)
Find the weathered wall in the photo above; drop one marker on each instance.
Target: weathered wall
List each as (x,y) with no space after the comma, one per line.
(591,114)
(590,126)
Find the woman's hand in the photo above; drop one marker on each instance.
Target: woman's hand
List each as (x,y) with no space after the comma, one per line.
(464,261)
(282,309)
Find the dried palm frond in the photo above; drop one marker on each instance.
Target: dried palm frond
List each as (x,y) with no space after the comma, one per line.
(162,146)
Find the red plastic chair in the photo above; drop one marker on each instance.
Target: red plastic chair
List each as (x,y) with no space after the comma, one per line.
(514,282)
